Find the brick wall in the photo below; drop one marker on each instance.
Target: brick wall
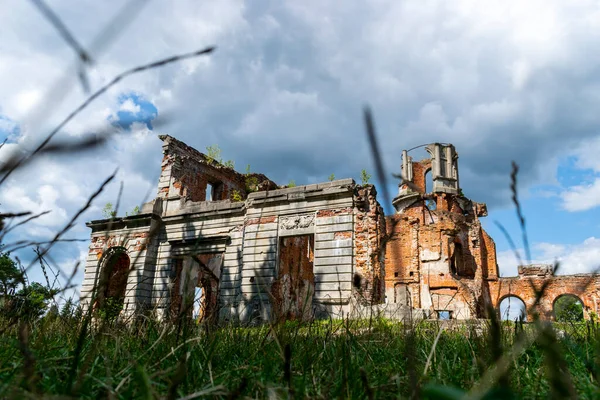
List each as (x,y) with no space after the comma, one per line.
(442,255)
(369,232)
(586,287)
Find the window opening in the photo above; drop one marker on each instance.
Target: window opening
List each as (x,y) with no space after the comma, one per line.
(431,204)
(198,302)
(428,182)
(209,192)
(444,315)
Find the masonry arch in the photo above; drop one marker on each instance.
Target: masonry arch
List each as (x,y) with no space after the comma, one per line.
(567,307)
(114,269)
(512,307)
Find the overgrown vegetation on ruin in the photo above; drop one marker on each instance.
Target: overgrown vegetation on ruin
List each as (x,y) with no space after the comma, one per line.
(326,359)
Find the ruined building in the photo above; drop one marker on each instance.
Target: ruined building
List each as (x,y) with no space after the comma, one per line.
(240,245)
(221,245)
(439,258)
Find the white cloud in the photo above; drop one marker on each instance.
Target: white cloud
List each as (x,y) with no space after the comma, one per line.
(550,251)
(507,262)
(17,199)
(574,258)
(587,155)
(26,100)
(580,258)
(129,106)
(585,196)
(582,197)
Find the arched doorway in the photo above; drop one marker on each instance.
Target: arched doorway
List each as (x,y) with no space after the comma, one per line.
(512,308)
(567,308)
(112,287)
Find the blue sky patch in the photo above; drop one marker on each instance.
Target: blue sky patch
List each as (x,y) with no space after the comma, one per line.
(9,129)
(546,217)
(133,108)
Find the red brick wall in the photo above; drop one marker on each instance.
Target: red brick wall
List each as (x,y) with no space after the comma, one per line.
(586,287)
(369,231)
(419,252)
(420,169)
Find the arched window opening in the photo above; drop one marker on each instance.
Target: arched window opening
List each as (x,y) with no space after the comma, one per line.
(568,308)
(431,204)
(428,182)
(512,308)
(113,282)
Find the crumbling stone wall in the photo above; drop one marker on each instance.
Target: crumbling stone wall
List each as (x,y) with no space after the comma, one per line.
(438,257)
(186,173)
(370,252)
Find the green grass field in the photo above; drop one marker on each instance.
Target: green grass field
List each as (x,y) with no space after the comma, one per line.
(325,359)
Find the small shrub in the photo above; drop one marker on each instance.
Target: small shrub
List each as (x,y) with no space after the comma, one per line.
(364,176)
(236,196)
(136,210)
(108,211)
(331,178)
(291,184)
(213,153)
(229,164)
(251,184)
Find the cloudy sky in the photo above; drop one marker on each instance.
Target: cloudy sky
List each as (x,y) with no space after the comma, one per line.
(284,91)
